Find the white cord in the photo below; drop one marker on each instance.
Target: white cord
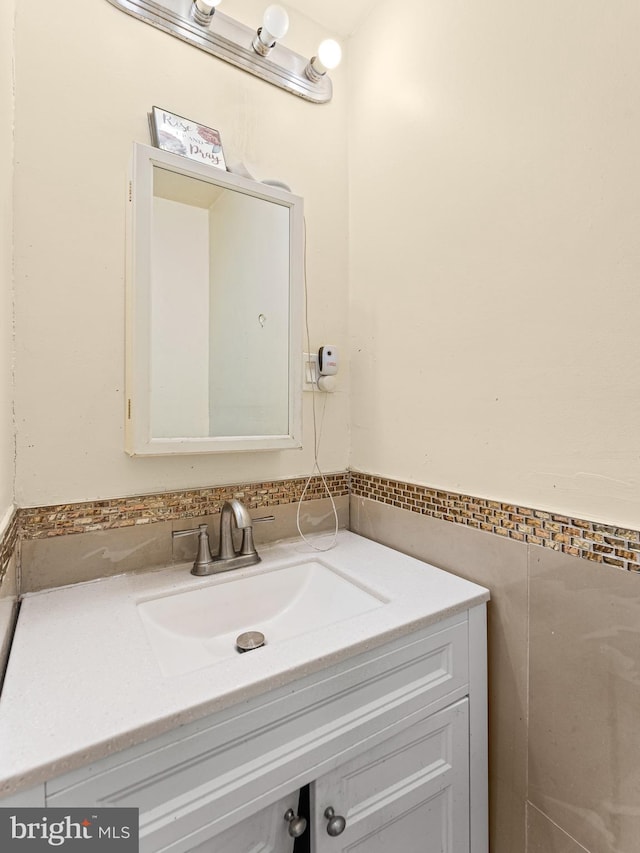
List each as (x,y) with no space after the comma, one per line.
(317,434)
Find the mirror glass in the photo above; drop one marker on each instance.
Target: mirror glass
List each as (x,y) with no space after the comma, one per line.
(219,311)
(214,280)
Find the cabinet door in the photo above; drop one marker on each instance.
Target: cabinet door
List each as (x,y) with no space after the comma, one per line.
(264,832)
(409,794)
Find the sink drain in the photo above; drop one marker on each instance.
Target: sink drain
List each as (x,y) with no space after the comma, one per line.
(249,641)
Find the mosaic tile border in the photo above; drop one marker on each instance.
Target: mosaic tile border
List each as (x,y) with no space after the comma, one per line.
(589,540)
(599,543)
(8,543)
(66,519)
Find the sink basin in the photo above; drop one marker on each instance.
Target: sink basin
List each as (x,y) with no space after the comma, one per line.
(194,629)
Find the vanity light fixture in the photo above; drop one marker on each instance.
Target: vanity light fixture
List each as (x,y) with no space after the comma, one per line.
(275,24)
(200,24)
(328,58)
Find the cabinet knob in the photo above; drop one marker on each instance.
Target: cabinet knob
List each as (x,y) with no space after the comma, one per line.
(297,824)
(336,823)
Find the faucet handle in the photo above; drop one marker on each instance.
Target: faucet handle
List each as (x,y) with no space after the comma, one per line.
(248,547)
(192,531)
(204,557)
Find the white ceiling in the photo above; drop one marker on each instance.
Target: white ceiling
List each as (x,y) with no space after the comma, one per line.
(340,16)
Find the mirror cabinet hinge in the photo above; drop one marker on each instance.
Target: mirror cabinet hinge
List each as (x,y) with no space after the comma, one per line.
(130,190)
(129,410)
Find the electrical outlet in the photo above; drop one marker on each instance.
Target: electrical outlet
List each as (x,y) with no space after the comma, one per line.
(309,371)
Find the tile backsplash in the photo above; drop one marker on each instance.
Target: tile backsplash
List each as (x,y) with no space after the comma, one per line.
(605,544)
(589,540)
(72,543)
(8,543)
(65,519)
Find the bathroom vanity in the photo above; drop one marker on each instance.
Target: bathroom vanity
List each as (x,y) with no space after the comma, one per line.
(375,698)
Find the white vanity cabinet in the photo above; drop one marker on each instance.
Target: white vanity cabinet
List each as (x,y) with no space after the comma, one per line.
(410,793)
(393,739)
(265,832)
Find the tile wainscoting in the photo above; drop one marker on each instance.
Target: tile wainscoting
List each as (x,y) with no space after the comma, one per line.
(64,519)
(563,642)
(78,542)
(606,544)
(599,543)
(8,542)
(8,589)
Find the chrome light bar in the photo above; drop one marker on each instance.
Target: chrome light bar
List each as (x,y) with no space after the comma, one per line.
(228,39)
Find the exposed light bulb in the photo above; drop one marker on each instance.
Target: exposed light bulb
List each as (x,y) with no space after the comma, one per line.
(275,24)
(329,56)
(275,21)
(203,10)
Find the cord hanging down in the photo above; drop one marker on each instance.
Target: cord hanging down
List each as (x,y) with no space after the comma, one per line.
(317,434)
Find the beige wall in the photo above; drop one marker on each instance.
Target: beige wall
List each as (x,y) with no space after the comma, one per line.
(493,233)
(495,244)
(7,10)
(86,78)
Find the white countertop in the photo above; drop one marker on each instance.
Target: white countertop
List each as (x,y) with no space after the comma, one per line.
(83,681)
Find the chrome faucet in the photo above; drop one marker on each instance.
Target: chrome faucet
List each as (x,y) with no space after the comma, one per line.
(227,557)
(239,512)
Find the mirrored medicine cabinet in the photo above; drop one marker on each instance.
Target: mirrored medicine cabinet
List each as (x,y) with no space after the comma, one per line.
(214,310)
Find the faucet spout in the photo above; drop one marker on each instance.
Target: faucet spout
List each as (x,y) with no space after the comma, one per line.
(240,513)
(237,510)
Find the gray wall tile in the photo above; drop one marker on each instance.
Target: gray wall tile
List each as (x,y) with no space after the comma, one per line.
(584,749)
(8,612)
(61,560)
(545,837)
(9,585)
(80,557)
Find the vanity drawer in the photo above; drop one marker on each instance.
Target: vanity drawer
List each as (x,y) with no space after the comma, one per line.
(194,782)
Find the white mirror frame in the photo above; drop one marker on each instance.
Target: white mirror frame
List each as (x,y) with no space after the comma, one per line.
(138,438)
